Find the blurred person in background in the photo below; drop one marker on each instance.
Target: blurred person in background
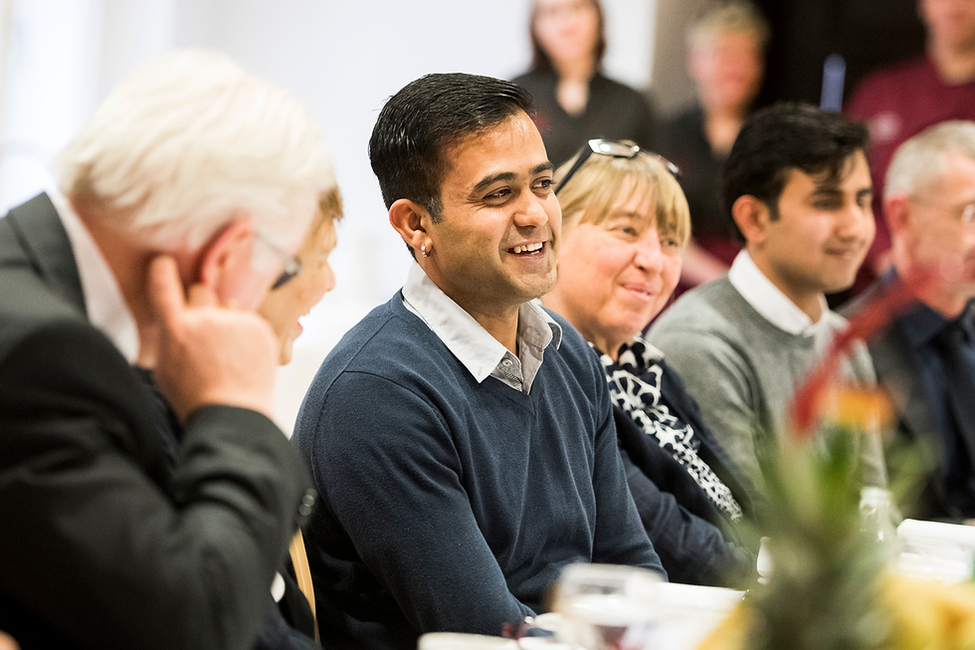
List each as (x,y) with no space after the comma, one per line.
(625,223)
(283,308)
(925,360)
(147,496)
(285,305)
(899,101)
(574,100)
(726,59)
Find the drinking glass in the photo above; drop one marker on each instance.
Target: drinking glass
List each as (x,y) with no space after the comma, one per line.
(606,607)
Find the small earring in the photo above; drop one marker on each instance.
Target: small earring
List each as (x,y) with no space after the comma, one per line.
(423,249)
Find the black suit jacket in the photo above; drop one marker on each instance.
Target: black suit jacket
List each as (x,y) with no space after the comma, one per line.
(898,377)
(104,542)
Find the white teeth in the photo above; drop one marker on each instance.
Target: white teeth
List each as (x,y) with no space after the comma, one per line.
(528,248)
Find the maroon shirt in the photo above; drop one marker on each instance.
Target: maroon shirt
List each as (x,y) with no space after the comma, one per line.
(898,102)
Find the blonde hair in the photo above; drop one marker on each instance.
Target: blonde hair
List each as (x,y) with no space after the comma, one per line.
(728,18)
(322,229)
(918,162)
(190,142)
(596,186)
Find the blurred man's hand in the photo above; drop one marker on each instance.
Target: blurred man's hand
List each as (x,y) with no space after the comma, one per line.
(209,354)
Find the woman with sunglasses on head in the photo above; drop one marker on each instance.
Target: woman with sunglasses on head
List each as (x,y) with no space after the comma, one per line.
(574,100)
(625,223)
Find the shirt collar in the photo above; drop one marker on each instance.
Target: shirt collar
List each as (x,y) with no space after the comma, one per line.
(766,298)
(105,307)
(466,339)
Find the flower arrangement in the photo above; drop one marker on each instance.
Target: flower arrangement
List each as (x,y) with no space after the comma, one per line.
(832,587)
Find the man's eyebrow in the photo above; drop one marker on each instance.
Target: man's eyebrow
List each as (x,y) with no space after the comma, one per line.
(827,189)
(487,181)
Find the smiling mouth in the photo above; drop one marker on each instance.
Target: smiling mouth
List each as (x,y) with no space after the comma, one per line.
(844,252)
(526,248)
(639,290)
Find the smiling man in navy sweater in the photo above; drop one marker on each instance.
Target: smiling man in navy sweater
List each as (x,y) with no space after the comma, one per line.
(461,436)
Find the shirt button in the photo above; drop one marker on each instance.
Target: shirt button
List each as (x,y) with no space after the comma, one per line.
(307,505)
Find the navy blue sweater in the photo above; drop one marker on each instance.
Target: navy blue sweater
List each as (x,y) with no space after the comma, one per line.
(448,504)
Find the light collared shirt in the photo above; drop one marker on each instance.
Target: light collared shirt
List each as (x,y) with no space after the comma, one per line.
(482,354)
(106,308)
(769,301)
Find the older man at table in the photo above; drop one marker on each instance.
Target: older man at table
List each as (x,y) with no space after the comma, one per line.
(460,435)
(926,358)
(146,498)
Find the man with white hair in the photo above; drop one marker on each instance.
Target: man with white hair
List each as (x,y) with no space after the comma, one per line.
(926,358)
(146,497)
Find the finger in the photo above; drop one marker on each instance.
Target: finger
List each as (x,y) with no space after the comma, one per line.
(165,288)
(202,296)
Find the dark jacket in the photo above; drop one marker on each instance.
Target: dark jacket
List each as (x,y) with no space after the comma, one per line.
(104,542)
(696,542)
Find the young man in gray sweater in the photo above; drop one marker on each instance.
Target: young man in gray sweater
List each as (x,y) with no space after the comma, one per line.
(797,184)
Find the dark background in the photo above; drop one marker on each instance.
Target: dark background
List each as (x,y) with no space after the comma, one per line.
(867,33)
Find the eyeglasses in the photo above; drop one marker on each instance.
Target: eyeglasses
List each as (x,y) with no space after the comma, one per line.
(615,150)
(292,265)
(964,213)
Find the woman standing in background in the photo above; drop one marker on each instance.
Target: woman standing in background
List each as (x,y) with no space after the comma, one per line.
(726,60)
(574,100)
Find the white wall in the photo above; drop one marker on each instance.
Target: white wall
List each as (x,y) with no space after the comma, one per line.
(342,58)
(50,48)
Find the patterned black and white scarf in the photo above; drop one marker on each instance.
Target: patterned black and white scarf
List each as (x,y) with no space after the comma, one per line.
(634,382)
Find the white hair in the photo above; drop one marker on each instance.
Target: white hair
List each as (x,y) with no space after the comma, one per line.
(190,142)
(917,163)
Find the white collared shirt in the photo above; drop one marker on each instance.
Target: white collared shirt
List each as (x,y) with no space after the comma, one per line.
(107,309)
(482,354)
(769,301)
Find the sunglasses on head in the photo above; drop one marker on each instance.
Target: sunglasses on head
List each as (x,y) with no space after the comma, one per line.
(613,149)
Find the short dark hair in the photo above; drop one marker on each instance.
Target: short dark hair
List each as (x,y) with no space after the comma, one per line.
(788,136)
(418,124)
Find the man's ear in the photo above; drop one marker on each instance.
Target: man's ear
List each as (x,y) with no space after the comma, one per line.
(752,217)
(410,220)
(224,264)
(897,213)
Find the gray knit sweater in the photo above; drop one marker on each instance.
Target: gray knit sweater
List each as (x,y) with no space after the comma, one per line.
(743,371)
